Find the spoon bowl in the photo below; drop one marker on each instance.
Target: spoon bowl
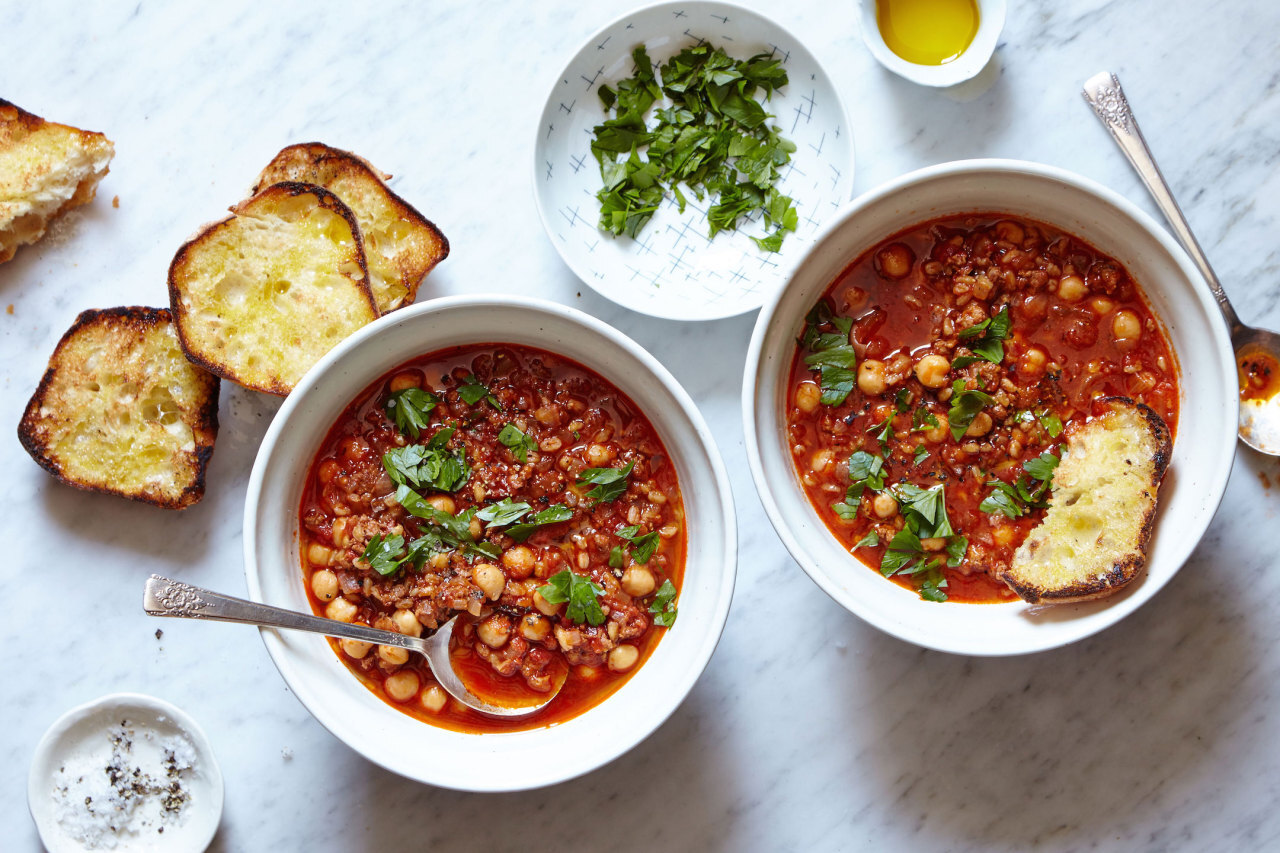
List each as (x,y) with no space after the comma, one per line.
(166,597)
(1259,422)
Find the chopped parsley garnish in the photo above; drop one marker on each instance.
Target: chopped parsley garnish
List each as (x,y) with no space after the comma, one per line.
(871,540)
(1030,490)
(384,555)
(866,470)
(519,443)
(581,594)
(714,139)
(925,514)
(831,354)
(642,547)
(409,409)
(922,419)
(550,515)
(610,483)
(617,557)
(989,346)
(921,453)
(965,405)
(472,392)
(1052,423)
(504,512)
(663,606)
(430,464)
(443,532)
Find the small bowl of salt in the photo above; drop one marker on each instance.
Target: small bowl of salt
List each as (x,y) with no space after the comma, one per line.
(126,772)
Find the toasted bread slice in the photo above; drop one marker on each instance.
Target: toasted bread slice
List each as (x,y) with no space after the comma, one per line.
(45,169)
(120,410)
(1093,539)
(260,296)
(401,245)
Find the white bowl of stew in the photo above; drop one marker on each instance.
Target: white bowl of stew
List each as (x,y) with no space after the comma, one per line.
(467,455)
(1097,301)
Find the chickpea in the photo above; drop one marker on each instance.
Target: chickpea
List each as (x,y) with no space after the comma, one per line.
(1101,305)
(895,260)
(1071,288)
(494,631)
(406,379)
(940,432)
(871,377)
(622,658)
(545,607)
(1126,328)
(324,584)
(637,581)
(535,628)
(434,699)
(884,506)
(932,370)
(443,503)
(319,555)
(328,469)
(393,655)
(1031,364)
(355,648)
(1010,231)
(1002,535)
(599,455)
(474,528)
(341,610)
(519,561)
(821,461)
(935,543)
(490,579)
(401,686)
(339,532)
(808,396)
(406,623)
(981,425)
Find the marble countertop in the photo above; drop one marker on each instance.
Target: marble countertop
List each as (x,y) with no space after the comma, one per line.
(1158,734)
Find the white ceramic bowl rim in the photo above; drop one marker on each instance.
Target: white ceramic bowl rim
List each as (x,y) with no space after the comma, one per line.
(710,581)
(198,828)
(1062,624)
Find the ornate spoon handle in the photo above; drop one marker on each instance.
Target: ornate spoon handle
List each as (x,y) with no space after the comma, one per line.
(166,597)
(1104,94)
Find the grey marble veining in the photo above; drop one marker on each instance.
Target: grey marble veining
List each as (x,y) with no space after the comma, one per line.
(1159,734)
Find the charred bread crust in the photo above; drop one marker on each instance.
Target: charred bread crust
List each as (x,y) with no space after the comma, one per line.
(140,320)
(1123,570)
(327,200)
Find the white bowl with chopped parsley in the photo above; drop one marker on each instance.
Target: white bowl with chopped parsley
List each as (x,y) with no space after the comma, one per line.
(687,156)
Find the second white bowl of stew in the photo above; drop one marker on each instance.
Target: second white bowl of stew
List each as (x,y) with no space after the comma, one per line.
(528,469)
(910,392)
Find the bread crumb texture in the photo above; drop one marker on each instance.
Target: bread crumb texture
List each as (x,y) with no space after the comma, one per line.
(45,170)
(260,296)
(120,410)
(1093,539)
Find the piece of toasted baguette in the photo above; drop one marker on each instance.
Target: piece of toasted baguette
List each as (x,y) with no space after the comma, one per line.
(1093,539)
(260,296)
(401,245)
(120,410)
(45,169)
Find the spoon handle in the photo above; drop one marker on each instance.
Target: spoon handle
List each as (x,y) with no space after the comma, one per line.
(166,597)
(1104,94)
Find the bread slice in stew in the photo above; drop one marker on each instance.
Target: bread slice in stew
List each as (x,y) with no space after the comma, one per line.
(1093,539)
(260,296)
(120,410)
(401,245)
(45,169)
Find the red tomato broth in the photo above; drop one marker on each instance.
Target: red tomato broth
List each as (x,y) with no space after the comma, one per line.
(907,318)
(532,386)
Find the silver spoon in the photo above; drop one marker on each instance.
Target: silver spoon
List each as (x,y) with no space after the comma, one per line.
(1259,419)
(166,597)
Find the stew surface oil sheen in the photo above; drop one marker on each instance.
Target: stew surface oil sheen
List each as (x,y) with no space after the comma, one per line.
(935,382)
(517,488)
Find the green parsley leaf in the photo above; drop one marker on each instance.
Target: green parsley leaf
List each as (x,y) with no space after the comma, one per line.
(409,409)
(664,605)
(610,483)
(581,594)
(1003,500)
(866,470)
(871,540)
(1051,423)
(990,334)
(430,465)
(1042,467)
(965,405)
(924,509)
(642,547)
(921,454)
(922,419)
(383,555)
(617,557)
(551,515)
(519,443)
(444,532)
(844,509)
(504,512)
(931,590)
(957,547)
(472,392)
